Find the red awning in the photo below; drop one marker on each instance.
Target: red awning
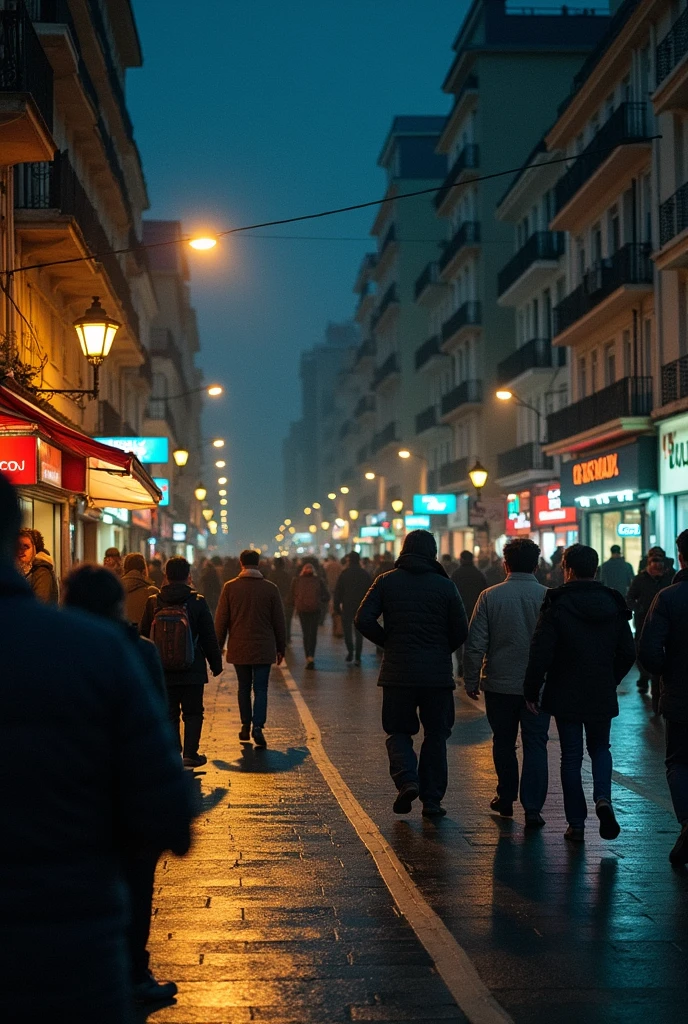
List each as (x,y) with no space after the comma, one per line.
(117,478)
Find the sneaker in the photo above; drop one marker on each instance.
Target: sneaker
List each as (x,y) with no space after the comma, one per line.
(679,853)
(152,991)
(575,835)
(534,819)
(609,826)
(433,810)
(258,737)
(310,664)
(194,760)
(350,656)
(405,797)
(245,734)
(503,807)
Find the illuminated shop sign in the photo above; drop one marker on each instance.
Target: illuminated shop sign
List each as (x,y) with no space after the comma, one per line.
(629,530)
(517,513)
(417,522)
(673,455)
(612,477)
(146,449)
(29,460)
(163,485)
(434,504)
(179,531)
(549,510)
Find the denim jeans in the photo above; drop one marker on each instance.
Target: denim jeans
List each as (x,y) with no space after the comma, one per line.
(402,707)
(505,713)
(187,698)
(677,767)
(254,677)
(597,742)
(351,636)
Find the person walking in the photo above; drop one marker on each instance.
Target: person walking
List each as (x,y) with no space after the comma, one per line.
(352,586)
(155,572)
(308,594)
(581,650)
(333,570)
(495,660)
(470,583)
(663,651)
(424,623)
(137,586)
(282,580)
(211,585)
(641,593)
(250,618)
(112,560)
(616,572)
(37,571)
(179,622)
(81,717)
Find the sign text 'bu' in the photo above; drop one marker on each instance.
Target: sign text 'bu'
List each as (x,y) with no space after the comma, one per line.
(434,504)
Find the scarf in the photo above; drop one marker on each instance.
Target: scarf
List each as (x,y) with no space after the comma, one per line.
(252,572)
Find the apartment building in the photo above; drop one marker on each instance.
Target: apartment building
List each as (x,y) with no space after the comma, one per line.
(510,69)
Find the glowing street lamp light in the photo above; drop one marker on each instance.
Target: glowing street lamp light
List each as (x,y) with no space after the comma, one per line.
(332,496)
(324,525)
(343,490)
(370,475)
(354,514)
(200,492)
(180,456)
(503,395)
(223,501)
(212,526)
(307,511)
(96,332)
(218,443)
(207,514)
(404,453)
(220,464)
(316,504)
(478,477)
(292,529)
(397,505)
(215,390)
(312,528)
(287,522)
(201,243)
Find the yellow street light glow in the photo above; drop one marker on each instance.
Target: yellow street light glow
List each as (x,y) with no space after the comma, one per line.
(353,514)
(212,526)
(340,522)
(200,493)
(331,495)
(222,492)
(397,505)
(180,456)
(404,453)
(287,522)
(316,504)
(207,514)
(292,529)
(203,242)
(223,501)
(307,511)
(324,525)
(312,528)
(223,513)
(503,396)
(222,480)
(215,390)
(218,443)
(370,475)
(279,537)
(478,476)
(344,490)
(220,464)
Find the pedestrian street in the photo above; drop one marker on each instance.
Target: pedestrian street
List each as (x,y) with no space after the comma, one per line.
(279,914)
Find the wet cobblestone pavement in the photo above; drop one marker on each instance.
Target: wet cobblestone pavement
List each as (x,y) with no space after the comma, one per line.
(280,914)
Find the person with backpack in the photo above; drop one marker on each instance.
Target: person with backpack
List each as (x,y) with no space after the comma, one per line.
(308,593)
(179,622)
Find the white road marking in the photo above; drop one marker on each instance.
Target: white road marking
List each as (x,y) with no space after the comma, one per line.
(472,996)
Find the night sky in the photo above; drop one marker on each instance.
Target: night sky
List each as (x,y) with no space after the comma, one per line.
(246,112)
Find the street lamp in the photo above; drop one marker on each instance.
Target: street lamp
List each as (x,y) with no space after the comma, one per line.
(212,526)
(222,492)
(504,395)
(220,464)
(96,332)
(307,511)
(180,456)
(287,522)
(213,391)
(312,528)
(218,443)
(324,525)
(369,475)
(316,504)
(200,492)
(332,496)
(354,514)
(203,242)
(478,477)
(222,480)
(343,490)
(207,514)
(397,505)
(404,453)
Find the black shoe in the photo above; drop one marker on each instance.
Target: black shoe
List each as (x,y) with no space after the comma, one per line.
(534,819)
(350,656)
(258,737)
(405,797)
(151,991)
(357,663)
(575,835)
(433,810)
(245,734)
(310,665)
(503,807)
(194,760)
(679,854)
(609,826)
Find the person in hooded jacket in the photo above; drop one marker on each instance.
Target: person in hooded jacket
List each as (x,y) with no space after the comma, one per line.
(351,587)
(36,568)
(424,623)
(185,689)
(137,586)
(641,593)
(308,594)
(581,650)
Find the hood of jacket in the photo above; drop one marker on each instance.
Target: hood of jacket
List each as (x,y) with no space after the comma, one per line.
(419,564)
(175,593)
(590,601)
(44,557)
(135,580)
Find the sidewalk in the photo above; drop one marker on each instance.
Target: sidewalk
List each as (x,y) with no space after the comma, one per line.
(279,914)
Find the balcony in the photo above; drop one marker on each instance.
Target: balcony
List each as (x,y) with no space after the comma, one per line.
(56,220)
(468,393)
(26,92)
(384,437)
(346,428)
(465,241)
(628,398)
(675,380)
(364,407)
(388,303)
(365,353)
(428,285)
(524,459)
(389,239)
(673,221)
(453,473)
(463,101)
(432,481)
(610,160)
(463,169)
(606,290)
(429,353)
(671,67)
(163,346)
(389,369)
(427,419)
(536,354)
(531,268)
(466,316)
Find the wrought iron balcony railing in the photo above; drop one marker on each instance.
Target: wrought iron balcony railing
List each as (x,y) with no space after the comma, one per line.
(430,275)
(629,265)
(427,350)
(469,314)
(468,159)
(630,396)
(453,472)
(542,245)
(523,458)
(537,353)
(389,367)
(24,66)
(469,391)
(673,215)
(467,234)
(675,380)
(426,419)
(672,48)
(388,435)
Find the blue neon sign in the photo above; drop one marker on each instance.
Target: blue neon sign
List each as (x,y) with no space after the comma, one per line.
(146,449)
(434,504)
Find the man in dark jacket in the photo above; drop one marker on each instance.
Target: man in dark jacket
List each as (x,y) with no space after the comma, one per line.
(97,755)
(581,650)
(470,583)
(351,587)
(251,618)
(185,689)
(282,580)
(641,593)
(424,623)
(663,650)
(616,572)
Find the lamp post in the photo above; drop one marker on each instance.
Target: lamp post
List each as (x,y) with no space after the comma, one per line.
(505,395)
(96,332)
(212,390)
(181,455)
(478,477)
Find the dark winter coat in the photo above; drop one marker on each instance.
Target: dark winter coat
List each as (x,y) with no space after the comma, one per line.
(211,586)
(148,653)
(250,617)
(43,581)
(617,574)
(424,623)
(79,716)
(282,580)
(663,648)
(137,590)
(351,587)
(202,629)
(303,588)
(642,593)
(581,650)
(470,583)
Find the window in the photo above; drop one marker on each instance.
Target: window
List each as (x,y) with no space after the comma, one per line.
(596,239)
(627,354)
(609,364)
(580,245)
(614,229)
(593,371)
(609,106)
(647,348)
(582,378)
(547,317)
(535,319)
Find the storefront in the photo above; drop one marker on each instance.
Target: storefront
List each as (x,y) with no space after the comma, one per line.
(672,460)
(615,495)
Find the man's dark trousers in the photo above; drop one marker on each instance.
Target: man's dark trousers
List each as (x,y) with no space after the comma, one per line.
(351,636)
(505,713)
(404,709)
(139,872)
(187,698)
(256,678)
(677,766)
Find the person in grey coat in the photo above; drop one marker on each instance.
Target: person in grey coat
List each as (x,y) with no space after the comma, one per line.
(496,658)
(616,572)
